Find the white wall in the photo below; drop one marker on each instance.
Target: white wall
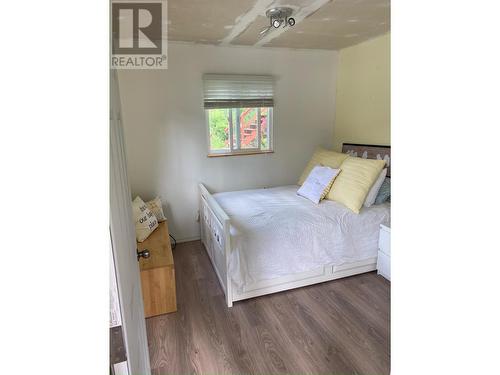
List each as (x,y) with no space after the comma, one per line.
(165,127)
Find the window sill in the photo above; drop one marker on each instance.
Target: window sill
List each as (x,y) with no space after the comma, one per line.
(240,153)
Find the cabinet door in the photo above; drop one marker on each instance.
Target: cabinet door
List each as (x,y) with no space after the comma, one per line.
(384,265)
(384,242)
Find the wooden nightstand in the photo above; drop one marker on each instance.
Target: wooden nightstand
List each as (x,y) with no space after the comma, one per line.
(158,273)
(384,251)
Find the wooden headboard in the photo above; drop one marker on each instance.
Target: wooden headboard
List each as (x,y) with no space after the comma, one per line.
(369,152)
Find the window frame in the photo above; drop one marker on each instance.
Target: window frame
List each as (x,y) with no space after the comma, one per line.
(239,151)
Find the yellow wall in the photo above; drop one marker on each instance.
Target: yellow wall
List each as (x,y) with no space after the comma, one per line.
(363,113)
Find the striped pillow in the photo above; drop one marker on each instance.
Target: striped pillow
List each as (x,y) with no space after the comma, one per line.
(354,182)
(325,158)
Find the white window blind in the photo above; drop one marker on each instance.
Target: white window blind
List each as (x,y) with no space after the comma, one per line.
(238,91)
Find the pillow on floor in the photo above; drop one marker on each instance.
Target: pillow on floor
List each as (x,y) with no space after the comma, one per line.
(354,182)
(145,220)
(372,195)
(156,208)
(323,157)
(318,183)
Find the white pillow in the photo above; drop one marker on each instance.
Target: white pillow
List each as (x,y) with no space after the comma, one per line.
(145,220)
(156,208)
(318,183)
(372,194)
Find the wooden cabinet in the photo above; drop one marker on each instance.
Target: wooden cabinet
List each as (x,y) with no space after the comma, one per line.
(158,273)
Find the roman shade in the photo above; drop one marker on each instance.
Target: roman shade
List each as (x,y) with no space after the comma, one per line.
(237,91)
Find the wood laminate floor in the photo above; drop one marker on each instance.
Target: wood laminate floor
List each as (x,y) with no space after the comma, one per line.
(337,327)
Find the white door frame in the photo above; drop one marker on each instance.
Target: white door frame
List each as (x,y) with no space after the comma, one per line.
(124,245)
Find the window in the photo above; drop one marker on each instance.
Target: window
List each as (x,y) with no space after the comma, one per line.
(237,130)
(239,112)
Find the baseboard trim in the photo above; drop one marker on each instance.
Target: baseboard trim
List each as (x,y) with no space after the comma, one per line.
(189,239)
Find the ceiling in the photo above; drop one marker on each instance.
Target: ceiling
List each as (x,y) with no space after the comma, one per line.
(320,24)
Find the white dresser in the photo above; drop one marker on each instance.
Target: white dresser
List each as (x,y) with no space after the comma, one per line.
(384,251)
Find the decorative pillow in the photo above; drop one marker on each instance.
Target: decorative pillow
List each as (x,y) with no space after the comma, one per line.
(156,208)
(370,198)
(145,220)
(354,182)
(324,157)
(318,183)
(384,193)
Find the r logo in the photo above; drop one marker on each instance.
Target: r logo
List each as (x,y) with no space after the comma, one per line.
(137,28)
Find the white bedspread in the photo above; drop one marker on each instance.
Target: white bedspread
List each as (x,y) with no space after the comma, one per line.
(275,232)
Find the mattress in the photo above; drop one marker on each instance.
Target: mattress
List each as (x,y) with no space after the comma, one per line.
(275,232)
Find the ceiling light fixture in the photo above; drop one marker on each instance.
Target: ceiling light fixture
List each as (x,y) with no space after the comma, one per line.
(277,17)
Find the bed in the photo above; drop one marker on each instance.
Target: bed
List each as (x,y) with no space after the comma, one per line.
(263,241)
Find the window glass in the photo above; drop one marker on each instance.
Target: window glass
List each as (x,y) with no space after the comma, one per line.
(219,129)
(237,130)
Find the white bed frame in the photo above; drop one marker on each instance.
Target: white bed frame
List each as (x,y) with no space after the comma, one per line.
(215,235)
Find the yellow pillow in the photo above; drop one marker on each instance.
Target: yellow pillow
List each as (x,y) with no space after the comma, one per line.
(328,187)
(354,181)
(323,157)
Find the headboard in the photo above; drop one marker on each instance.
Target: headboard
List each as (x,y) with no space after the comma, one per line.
(369,152)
